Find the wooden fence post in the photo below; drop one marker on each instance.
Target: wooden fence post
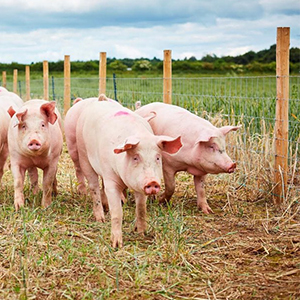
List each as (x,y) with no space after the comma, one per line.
(27,80)
(67,84)
(102,73)
(4,79)
(167,77)
(15,81)
(282,108)
(46,79)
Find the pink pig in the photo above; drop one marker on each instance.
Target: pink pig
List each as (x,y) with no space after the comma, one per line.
(4,122)
(70,123)
(8,99)
(35,141)
(120,146)
(203,150)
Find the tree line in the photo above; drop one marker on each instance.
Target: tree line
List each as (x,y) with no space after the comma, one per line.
(263,61)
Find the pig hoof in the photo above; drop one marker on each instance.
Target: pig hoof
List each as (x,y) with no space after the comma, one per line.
(140,229)
(117,242)
(100,219)
(206,209)
(81,191)
(18,205)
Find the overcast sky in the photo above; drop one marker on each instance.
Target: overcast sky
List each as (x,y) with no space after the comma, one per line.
(37,30)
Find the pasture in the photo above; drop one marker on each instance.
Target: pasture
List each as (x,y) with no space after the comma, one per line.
(247,249)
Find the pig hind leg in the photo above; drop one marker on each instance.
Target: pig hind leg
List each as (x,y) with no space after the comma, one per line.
(93,182)
(49,180)
(79,174)
(33,177)
(3,157)
(201,198)
(169,179)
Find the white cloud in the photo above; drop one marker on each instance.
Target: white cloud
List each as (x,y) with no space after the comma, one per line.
(188,28)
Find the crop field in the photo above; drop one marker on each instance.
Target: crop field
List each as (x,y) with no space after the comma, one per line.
(247,249)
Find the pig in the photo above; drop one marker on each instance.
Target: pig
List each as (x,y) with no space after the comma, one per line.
(4,122)
(119,146)
(3,90)
(8,99)
(203,150)
(70,123)
(35,141)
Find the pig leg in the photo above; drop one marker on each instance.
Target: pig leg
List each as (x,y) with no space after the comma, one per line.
(79,174)
(103,197)
(115,207)
(48,181)
(3,158)
(141,224)
(33,176)
(201,199)
(19,175)
(93,181)
(54,188)
(169,179)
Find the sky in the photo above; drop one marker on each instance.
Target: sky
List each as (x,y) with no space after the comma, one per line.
(38,30)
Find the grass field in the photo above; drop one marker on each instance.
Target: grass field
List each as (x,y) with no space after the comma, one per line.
(245,250)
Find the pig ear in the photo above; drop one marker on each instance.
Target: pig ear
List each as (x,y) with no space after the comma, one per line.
(168,144)
(130,143)
(11,111)
(48,109)
(137,105)
(150,116)
(206,136)
(227,129)
(77,100)
(20,116)
(102,97)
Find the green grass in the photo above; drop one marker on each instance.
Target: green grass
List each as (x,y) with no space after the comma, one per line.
(250,98)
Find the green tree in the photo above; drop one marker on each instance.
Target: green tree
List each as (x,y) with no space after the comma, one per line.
(117,65)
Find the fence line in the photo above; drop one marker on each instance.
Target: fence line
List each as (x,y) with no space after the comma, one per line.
(252,101)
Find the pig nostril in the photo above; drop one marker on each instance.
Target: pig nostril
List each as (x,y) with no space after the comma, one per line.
(34,145)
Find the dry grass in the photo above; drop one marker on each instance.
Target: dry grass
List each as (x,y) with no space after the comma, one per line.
(246,250)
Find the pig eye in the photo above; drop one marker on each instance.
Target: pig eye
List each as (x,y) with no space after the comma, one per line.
(23,126)
(43,125)
(136,158)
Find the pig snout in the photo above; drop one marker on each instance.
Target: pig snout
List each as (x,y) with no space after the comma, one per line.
(34,145)
(152,188)
(231,168)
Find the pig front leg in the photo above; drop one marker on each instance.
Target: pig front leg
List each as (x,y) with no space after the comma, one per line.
(201,199)
(19,175)
(114,196)
(141,224)
(169,179)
